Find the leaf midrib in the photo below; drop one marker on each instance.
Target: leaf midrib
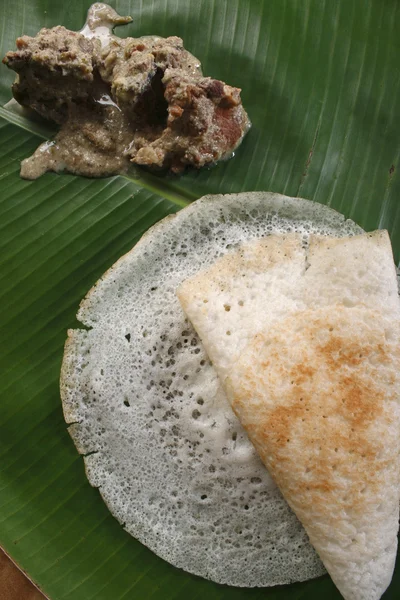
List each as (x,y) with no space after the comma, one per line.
(152,183)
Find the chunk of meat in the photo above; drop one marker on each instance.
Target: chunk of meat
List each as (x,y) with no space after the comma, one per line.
(54,68)
(206,121)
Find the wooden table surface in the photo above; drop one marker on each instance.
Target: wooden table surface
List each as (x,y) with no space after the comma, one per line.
(13,583)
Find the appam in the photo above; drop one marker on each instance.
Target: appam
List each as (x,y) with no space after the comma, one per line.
(145,407)
(305,341)
(318,394)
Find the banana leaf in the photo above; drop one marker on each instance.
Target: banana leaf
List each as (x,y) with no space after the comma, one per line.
(321,83)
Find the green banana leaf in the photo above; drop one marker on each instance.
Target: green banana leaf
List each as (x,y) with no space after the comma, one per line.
(321,83)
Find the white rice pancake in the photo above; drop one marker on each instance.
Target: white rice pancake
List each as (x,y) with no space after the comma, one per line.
(145,407)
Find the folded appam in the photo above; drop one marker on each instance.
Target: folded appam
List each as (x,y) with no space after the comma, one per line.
(313,375)
(146,408)
(318,395)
